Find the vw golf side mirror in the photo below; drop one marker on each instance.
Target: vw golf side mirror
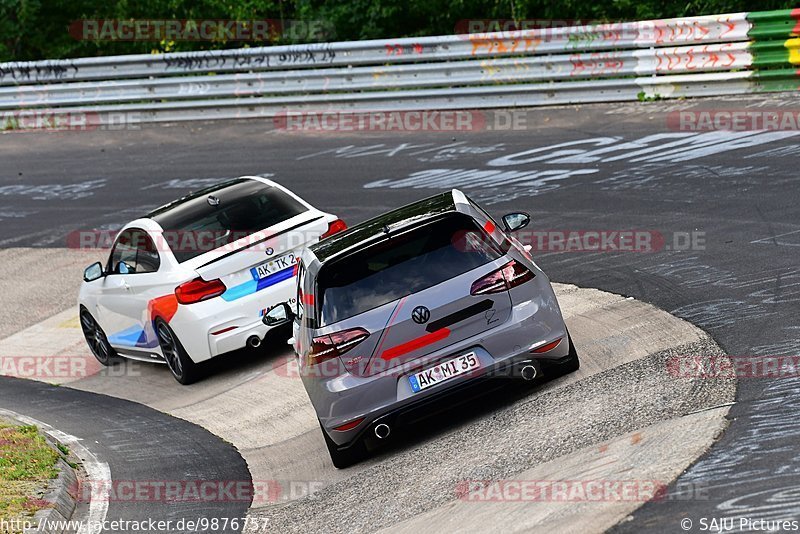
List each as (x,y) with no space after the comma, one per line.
(516,221)
(280,314)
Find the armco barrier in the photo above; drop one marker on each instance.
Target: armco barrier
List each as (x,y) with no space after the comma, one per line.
(698,56)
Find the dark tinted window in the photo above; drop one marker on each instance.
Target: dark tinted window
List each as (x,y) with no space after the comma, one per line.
(402,264)
(147,260)
(195,226)
(135,248)
(123,251)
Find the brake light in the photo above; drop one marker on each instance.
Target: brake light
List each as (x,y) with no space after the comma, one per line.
(198,290)
(334,228)
(331,346)
(349,426)
(548,347)
(509,275)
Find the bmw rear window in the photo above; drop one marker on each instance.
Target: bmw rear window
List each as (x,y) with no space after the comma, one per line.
(212,218)
(402,264)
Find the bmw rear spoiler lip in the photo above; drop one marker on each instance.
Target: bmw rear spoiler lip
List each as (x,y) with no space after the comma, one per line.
(254,243)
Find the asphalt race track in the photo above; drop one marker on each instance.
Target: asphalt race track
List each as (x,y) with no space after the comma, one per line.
(721,210)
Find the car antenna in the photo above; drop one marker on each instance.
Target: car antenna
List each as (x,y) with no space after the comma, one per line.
(385,228)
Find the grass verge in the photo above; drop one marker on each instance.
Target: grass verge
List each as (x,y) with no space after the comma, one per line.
(27,462)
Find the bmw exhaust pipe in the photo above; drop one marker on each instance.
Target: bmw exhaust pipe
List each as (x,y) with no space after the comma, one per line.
(382,431)
(254,342)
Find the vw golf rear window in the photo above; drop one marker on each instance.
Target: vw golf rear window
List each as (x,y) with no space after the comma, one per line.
(215,217)
(402,264)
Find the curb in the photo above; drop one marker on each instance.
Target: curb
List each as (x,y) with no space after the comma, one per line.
(62,501)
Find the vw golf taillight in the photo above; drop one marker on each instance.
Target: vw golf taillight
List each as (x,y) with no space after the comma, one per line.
(331,346)
(509,275)
(198,290)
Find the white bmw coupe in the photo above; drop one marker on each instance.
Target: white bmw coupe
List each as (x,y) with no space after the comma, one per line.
(193,279)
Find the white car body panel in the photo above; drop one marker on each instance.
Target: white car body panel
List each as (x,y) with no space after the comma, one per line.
(126,305)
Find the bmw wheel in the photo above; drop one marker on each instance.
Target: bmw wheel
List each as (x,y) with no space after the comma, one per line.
(182,367)
(96,339)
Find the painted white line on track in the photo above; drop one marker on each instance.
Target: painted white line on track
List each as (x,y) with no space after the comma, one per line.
(771,240)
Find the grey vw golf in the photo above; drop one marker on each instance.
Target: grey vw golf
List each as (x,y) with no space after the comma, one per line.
(402,310)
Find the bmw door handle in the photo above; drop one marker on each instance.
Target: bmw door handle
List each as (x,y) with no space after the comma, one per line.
(126,286)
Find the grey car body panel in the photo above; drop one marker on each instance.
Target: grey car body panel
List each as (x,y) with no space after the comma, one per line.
(355,387)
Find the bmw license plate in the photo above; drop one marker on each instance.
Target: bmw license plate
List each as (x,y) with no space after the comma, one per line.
(273,266)
(444,371)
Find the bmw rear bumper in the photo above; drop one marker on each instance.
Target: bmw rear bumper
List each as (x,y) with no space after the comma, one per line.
(214,327)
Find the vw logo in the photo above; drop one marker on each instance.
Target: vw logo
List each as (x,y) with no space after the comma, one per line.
(421,314)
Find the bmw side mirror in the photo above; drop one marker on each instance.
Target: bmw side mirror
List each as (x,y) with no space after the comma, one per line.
(516,221)
(280,314)
(93,272)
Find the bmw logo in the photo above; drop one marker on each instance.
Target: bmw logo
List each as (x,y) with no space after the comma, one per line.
(270,251)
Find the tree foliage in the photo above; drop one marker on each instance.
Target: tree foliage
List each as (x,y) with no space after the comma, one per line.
(39,29)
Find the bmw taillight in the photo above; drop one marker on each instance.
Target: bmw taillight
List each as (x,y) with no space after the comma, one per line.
(198,290)
(509,275)
(331,346)
(334,228)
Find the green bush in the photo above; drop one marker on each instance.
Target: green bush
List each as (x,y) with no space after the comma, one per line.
(38,29)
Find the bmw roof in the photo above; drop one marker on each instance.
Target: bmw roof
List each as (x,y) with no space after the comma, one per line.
(168,214)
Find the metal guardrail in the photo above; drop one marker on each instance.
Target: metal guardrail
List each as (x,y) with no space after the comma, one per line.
(698,56)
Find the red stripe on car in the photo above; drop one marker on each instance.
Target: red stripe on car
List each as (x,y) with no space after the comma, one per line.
(416,343)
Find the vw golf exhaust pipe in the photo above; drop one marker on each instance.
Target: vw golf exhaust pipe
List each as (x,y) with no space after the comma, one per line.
(253,342)
(529,372)
(382,431)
